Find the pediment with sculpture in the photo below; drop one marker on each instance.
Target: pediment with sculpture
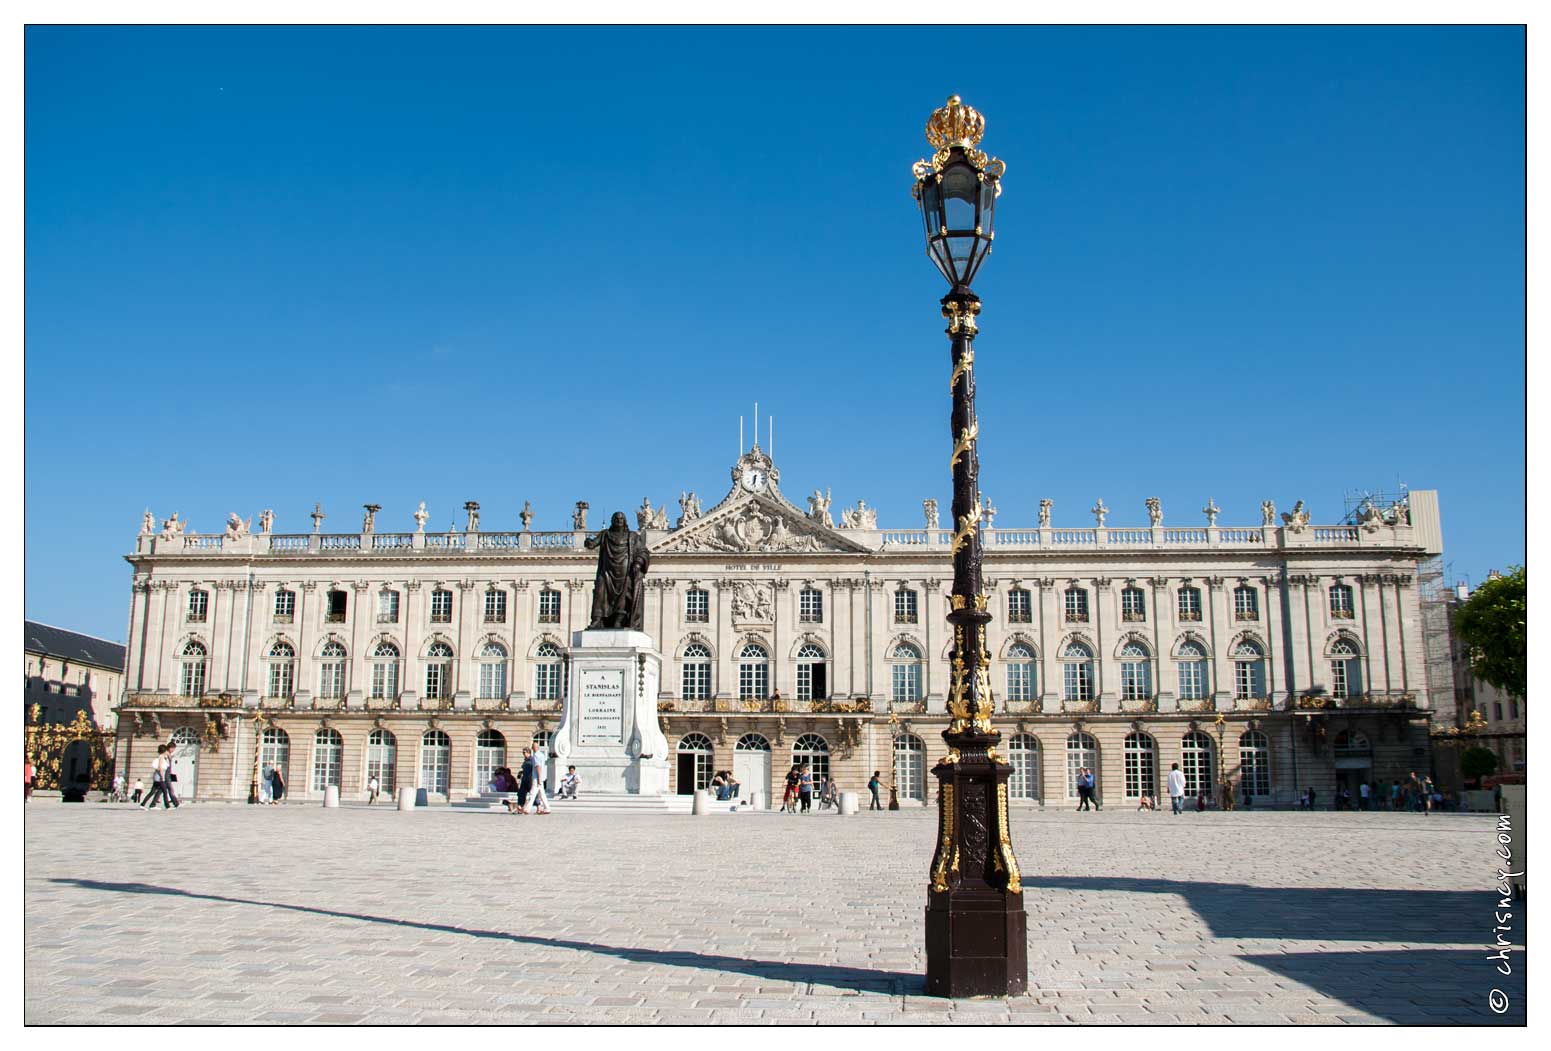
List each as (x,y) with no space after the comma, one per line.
(756,524)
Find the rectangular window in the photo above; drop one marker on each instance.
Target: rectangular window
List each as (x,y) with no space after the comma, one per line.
(1020,607)
(810,606)
(1077,605)
(1192,680)
(1246,603)
(285,606)
(492,679)
(1135,680)
(1189,603)
(1133,605)
(387,607)
(1341,601)
(907,681)
(331,680)
(753,680)
(697,680)
(441,607)
(338,603)
(495,607)
(385,679)
(546,681)
(1020,681)
(905,606)
(1079,681)
(281,678)
(549,607)
(1339,684)
(198,603)
(1246,680)
(697,606)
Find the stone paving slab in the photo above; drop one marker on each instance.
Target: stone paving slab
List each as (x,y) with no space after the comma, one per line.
(296,914)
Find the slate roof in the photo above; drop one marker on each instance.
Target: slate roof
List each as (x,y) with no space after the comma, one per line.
(72,646)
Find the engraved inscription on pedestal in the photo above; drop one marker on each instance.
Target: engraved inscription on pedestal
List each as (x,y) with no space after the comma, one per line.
(601,711)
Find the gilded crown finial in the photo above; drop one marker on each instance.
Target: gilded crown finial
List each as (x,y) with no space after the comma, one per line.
(955,124)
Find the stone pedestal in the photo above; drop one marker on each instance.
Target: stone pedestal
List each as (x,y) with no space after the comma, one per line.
(407,798)
(331,796)
(608,725)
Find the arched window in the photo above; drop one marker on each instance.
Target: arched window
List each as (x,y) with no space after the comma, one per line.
(1352,745)
(275,752)
(328,752)
(1195,762)
(1023,757)
(192,664)
(382,757)
(752,743)
(910,767)
(1141,766)
(1345,672)
(435,761)
(1191,665)
(1249,671)
(1254,764)
(546,672)
(753,672)
(695,755)
(544,741)
(438,673)
(331,671)
(1082,753)
(1077,672)
(282,670)
(385,671)
(489,756)
(812,679)
(1135,672)
(492,672)
(813,750)
(695,672)
(905,663)
(1020,672)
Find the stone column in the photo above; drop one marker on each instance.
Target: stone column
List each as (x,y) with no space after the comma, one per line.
(220,631)
(161,596)
(410,679)
(1163,632)
(467,632)
(725,675)
(1106,612)
(1050,632)
(783,675)
(522,628)
(1220,628)
(1366,598)
(362,619)
(934,678)
(1275,589)
(309,627)
(139,625)
(1300,658)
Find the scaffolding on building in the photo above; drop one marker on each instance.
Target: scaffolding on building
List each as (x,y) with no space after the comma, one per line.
(1381,500)
(1437,606)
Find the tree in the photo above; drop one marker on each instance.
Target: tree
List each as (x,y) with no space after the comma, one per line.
(1491,624)
(1477,762)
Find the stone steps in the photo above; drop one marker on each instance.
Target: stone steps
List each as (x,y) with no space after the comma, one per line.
(595,802)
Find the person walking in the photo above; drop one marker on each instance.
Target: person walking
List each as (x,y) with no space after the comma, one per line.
(1363,792)
(169,780)
(1082,788)
(276,786)
(539,800)
(524,784)
(1177,789)
(372,788)
(158,780)
(805,788)
(873,784)
(139,791)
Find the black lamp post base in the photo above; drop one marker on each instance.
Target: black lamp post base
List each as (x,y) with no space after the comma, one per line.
(976,945)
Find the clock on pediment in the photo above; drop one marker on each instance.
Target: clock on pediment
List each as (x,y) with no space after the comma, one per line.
(754,472)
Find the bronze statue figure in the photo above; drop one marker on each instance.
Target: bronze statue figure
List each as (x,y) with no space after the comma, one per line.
(619,593)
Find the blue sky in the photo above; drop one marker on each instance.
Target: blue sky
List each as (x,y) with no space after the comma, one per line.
(268,267)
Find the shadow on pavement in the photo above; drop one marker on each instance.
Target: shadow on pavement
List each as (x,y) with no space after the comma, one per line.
(893,983)
(1240,910)
(1410,986)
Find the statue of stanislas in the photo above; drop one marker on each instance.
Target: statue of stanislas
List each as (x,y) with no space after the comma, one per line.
(619,594)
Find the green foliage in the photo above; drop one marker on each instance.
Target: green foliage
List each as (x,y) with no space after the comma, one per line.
(1491,624)
(1478,762)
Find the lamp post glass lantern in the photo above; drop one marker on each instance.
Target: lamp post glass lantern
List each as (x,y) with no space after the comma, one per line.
(976,929)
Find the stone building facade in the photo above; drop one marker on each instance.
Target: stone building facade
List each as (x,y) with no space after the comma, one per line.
(1281,655)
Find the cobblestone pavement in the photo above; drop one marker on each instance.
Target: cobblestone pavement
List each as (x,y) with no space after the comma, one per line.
(222,913)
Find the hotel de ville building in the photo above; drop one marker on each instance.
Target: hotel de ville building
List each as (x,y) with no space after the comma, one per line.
(1274,656)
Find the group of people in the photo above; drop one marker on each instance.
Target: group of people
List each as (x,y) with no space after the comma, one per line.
(725,786)
(1416,793)
(162,780)
(528,783)
(799,791)
(1087,798)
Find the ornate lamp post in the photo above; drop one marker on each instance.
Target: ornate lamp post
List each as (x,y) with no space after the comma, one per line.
(976,930)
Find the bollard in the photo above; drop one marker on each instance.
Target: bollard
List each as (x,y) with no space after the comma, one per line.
(331,796)
(755,798)
(422,797)
(407,798)
(702,802)
(848,803)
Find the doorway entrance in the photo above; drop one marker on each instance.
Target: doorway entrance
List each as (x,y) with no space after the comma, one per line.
(751,767)
(185,763)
